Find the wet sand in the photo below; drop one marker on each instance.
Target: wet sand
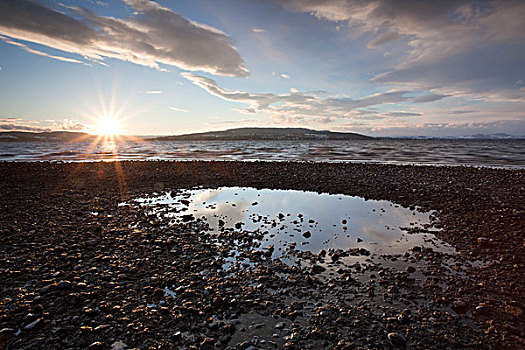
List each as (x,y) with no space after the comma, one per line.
(73,279)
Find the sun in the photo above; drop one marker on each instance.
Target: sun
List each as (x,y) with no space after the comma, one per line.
(108,126)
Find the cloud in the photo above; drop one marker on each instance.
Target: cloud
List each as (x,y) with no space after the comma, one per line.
(402,114)
(259,30)
(382,39)
(285,76)
(40,53)
(19,124)
(459,47)
(154,92)
(154,35)
(178,109)
(300,105)
(440,129)
(16,127)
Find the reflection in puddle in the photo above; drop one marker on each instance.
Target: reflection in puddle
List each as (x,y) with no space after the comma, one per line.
(306,221)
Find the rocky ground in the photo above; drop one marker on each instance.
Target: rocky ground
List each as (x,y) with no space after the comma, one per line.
(122,279)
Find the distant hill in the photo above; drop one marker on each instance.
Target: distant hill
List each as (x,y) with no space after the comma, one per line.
(51,136)
(265,134)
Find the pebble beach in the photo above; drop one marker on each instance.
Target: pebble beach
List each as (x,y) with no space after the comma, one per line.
(79,270)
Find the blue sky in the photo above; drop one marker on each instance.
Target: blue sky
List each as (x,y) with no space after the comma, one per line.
(380,67)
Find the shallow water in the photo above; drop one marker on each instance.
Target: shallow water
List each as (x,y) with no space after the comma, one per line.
(305,221)
(496,153)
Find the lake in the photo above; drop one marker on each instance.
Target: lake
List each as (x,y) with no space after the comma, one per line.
(490,153)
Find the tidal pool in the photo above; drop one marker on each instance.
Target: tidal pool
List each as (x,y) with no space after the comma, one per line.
(306,221)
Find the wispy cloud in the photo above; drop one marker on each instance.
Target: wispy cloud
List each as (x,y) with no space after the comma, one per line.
(40,53)
(19,124)
(178,109)
(155,35)
(259,30)
(154,92)
(309,105)
(285,76)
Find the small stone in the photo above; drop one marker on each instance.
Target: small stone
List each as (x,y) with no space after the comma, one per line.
(244,345)
(411,269)
(207,344)
(221,222)
(317,269)
(34,325)
(485,242)
(280,325)
(359,240)
(188,217)
(238,225)
(397,339)
(96,346)
(307,234)
(118,345)
(48,288)
(459,306)
(63,284)
(6,335)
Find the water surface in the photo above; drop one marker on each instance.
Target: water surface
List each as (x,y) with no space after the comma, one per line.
(494,153)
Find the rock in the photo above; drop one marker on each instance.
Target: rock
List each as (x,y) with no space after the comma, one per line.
(359,240)
(343,221)
(96,346)
(238,225)
(36,324)
(6,335)
(307,234)
(118,345)
(459,306)
(244,345)
(485,242)
(48,288)
(221,223)
(317,269)
(280,325)
(207,344)
(411,269)
(188,217)
(63,284)
(397,339)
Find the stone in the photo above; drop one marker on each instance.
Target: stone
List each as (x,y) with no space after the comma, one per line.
(397,339)
(33,326)
(307,234)
(317,269)
(96,346)
(207,344)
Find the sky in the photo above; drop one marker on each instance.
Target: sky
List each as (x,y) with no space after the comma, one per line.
(377,67)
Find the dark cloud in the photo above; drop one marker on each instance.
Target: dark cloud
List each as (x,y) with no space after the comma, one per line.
(154,35)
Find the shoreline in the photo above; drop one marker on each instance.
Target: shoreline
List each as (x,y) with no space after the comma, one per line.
(481,213)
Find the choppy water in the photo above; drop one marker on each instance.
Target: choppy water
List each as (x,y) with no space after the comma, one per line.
(494,153)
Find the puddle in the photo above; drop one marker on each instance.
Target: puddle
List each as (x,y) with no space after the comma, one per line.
(304,221)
